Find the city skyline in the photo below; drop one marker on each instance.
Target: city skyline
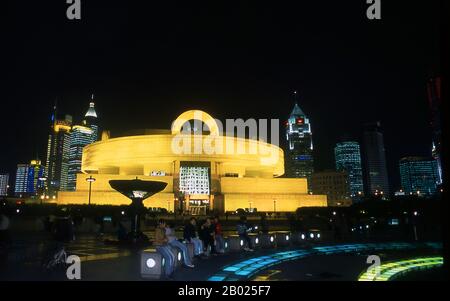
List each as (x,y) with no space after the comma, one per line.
(336,71)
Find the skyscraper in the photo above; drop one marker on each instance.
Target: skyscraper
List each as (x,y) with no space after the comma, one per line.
(4,180)
(299,152)
(91,119)
(79,138)
(81,135)
(29,179)
(58,149)
(348,158)
(419,175)
(334,184)
(434,101)
(375,171)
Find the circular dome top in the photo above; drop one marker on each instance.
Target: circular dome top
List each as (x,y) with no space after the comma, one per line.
(195,115)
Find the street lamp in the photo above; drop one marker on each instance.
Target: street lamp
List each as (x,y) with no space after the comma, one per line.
(90,180)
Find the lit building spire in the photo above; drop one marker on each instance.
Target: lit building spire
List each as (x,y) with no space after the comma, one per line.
(91,111)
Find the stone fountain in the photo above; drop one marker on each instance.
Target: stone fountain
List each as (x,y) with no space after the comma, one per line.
(137,191)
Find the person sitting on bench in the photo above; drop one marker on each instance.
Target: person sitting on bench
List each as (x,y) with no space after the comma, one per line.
(162,247)
(174,242)
(190,236)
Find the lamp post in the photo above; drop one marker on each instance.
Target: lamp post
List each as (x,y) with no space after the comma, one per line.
(90,180)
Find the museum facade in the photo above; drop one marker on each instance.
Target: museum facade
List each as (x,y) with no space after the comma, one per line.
(204,170)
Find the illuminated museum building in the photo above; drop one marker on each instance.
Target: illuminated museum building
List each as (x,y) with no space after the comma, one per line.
(197,180)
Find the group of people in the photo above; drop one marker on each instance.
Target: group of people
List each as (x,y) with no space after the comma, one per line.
(206,238)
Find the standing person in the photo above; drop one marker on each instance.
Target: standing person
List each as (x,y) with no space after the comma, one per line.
(242,230)
(174,242)
(190,236)
(220,242)
(162,246)
(207,233)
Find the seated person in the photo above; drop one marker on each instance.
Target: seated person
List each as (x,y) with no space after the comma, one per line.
(174,242)
(190,236)
(162,247)
(207,236)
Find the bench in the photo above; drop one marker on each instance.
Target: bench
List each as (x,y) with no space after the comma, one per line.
(283,238)
(267,240)
(152,264)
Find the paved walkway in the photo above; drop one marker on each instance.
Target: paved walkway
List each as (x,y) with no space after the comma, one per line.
(101,262)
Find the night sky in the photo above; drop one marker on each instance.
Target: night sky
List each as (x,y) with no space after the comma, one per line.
(147,63)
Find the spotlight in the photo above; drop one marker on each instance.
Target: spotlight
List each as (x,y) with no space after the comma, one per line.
(303,236)
(271,239)
(241,242)
(311,235)
(287,237)
(256,240)
(179,256)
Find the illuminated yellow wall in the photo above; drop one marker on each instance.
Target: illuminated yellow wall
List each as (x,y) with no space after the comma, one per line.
(102,181)
(142,154)
(265,202)
(160,200)
(263,185)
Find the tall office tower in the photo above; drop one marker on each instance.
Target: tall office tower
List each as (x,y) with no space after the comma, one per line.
(30,179)
(58,149)
(374,157)
(348,158)
(419,175)
(81,136)
(434,101)
(91,119)
(334,184)
(299,153)
(4,180)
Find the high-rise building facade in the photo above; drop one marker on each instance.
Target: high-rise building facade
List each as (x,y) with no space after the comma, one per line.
(299,152)
(4,180)
(334,184)
(58,151)
(348,158)
(434,101)
(91,119)
(419,175)
(80,136)
(30,179)
(374,157)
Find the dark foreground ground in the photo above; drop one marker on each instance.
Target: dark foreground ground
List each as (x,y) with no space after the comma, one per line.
(100,262)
